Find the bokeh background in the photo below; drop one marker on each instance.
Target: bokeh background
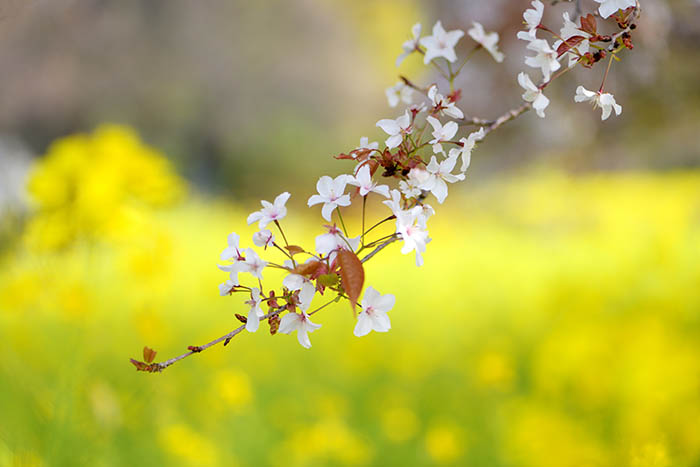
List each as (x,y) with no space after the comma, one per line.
(556,321)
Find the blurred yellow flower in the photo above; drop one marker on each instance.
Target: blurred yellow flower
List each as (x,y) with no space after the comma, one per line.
(330,440)
(445,443)
(234,388)
(650,455)
(94,186)
(400,424)
(105,405)
(189,446)
(495,370)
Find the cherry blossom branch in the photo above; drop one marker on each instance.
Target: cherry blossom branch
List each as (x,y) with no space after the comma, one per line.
(157,367)
(336,266)
(491,125)
(379,248)
(507,117)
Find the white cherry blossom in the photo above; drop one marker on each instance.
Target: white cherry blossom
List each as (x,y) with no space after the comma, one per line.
(546,58)
(411,188)
(423,212)
(467,147)
(306,288)
(373,316)
(396,129)
(610,7)
(399,93)
(263,238)
(329,243)
(488,41)
(364,181)
(395,202)
(270,212)
(440,175)
(331,192)
(533,94)
(232,252)
(442,104)
(255,313)
(441,133)
(365,144)
(301,323)
(226,287)
(412,232)
(441,43)
(533,18)
(605,101)
(410,45)
(253,264)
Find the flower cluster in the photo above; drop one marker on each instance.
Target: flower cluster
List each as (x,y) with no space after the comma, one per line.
(427,148)
(580,43)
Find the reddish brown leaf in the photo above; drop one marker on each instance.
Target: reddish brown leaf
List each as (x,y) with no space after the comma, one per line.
(149,354)
(588,24)
(344,156)
(140,366)
(352,274)
(306,269)
(568,44)
(294,249)
(241,318)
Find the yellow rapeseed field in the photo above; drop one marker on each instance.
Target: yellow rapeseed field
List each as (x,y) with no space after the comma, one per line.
(556,322)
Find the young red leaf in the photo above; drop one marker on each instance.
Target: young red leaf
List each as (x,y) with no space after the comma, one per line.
(344,156)
(309,268)
(294,249)
(352,275)
(140,366)
(149,354)
(588,24)
(568,44)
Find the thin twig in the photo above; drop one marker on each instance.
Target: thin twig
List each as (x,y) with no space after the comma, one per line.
(490,125)
(475,121)
(379,248)
(507,117)
(163,365)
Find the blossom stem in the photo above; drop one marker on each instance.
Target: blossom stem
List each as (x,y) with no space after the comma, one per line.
(437,67)
(452,77)
(364,204)
(282,232)
(336,299)
(342,222)
(545,28)
(557,75)
(379,223)
(607,70)
(285,252)
(467,58)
